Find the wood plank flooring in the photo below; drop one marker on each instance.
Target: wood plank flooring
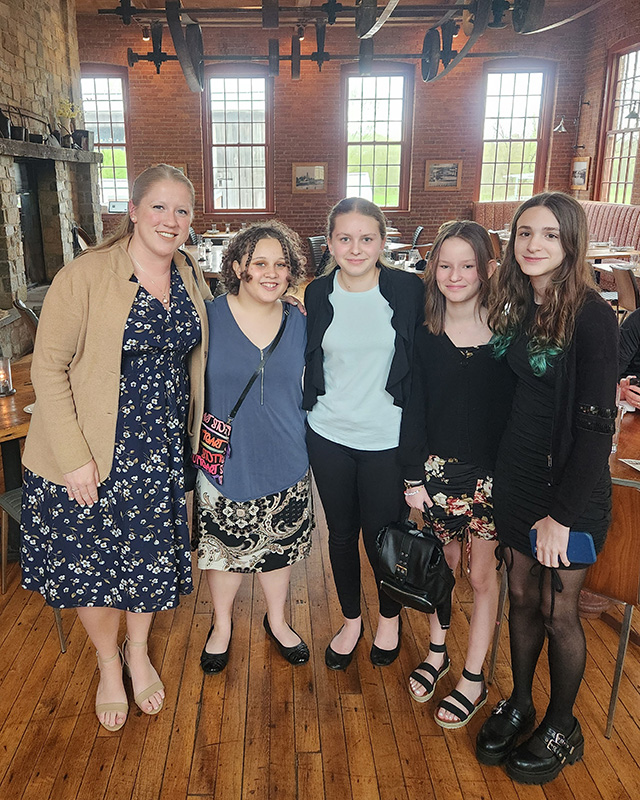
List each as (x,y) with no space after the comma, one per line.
(265,730)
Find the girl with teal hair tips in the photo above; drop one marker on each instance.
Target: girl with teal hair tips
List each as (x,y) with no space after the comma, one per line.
(552,475)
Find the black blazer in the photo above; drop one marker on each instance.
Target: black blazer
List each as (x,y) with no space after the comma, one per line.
(404,291)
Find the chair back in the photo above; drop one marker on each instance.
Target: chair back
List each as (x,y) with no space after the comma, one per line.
(627,288)
(27,314)
(497,245)
(318,253)
(416,235)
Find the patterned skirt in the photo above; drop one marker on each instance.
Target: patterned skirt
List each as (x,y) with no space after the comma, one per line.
(259,535)
(462,502)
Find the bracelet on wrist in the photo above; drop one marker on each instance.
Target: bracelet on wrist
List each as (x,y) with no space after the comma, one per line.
(411,484)
(407,493)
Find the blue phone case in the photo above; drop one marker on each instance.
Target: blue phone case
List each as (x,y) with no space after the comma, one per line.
(581,549)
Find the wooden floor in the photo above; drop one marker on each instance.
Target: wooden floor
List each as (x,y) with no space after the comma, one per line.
(264,729)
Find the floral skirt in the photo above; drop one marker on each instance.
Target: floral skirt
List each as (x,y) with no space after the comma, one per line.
(259,535)
(462,502)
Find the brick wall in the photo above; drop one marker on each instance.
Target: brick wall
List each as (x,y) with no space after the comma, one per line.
(166,117)
(38,56)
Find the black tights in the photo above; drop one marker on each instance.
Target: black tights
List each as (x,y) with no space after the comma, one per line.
(536,610)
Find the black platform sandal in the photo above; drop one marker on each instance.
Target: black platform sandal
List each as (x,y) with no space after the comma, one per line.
(436,674)
(471,708)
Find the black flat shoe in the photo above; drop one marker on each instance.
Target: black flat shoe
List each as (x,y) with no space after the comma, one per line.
(298,654)
(213,663)
(382,658)
(501,731)
(339,661)
(543,756)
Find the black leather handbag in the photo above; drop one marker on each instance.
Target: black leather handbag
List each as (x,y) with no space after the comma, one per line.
(413,568)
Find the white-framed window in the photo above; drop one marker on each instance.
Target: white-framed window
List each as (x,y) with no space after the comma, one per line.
(103,106)
(378,136)
(237,141)
(513,134)
(619,163)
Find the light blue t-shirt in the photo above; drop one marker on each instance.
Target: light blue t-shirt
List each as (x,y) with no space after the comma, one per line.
(358,346)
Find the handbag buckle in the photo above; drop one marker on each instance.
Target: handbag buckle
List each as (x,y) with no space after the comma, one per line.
(400,568)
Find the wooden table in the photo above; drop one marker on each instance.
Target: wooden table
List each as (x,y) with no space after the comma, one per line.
(598,253)
(616,573)
(14,425)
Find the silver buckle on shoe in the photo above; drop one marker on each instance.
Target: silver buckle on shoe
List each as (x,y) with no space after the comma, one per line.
(559,746)
(500,707)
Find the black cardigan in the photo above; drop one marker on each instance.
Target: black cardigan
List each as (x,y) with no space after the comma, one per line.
(629,363)
(584,409)
(404,291)
(458,406)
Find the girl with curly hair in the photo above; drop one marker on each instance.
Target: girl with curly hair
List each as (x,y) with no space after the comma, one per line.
(451,428)
(258,519)
(552,474)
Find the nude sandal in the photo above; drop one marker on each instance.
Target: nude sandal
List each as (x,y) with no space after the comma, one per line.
(145,694)
(103,708)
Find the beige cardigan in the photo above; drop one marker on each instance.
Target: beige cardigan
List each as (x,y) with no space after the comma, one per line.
(77,358)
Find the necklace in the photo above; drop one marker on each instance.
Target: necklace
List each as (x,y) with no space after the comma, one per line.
(164,292)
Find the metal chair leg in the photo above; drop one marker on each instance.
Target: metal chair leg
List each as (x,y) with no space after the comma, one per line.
(58,617)
(4,536)
(502,599)
(622,652)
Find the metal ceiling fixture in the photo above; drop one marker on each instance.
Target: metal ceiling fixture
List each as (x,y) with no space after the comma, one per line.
(437,59)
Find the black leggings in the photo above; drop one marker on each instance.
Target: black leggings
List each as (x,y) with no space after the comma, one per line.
(358,489)
(537,608)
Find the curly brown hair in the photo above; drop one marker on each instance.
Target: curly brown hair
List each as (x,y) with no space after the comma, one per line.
(244,243)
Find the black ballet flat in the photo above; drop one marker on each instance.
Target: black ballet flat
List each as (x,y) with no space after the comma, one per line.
(213,663)
(298,654)
(340,661)
(382,658)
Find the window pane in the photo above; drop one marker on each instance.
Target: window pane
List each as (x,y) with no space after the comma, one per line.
(511,124)
(238,142)
(103,111)
(619,162)
(375,110)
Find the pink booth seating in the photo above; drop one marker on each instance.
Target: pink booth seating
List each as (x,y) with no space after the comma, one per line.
(607,221)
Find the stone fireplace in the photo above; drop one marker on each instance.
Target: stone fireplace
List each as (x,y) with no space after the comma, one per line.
(63,190)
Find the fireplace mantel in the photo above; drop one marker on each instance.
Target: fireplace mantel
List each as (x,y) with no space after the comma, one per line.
(12,147)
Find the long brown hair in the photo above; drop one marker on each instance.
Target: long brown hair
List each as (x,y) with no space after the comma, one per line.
(356,205)
(244,243)
(477,237)
(554,320)
(141,187)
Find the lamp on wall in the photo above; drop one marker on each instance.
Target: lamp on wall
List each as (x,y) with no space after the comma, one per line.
(633,114)
(300,31)
(560,127)
(146,33)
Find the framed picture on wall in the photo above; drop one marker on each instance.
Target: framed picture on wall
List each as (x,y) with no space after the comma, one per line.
(311,177)
(580,172)
(443,176)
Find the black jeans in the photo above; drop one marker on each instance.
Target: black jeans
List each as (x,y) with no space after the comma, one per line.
(359,489)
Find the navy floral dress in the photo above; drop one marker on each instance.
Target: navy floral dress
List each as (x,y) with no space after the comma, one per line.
(131,550)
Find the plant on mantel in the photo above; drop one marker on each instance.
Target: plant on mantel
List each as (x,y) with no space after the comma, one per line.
(66,112)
